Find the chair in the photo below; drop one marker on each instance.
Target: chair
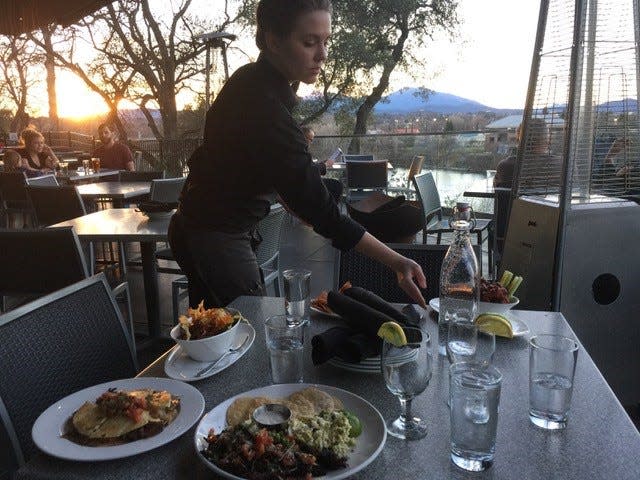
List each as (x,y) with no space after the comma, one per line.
(429,198)
(13,197)
(365,272)
(414,169)
(127,176)
(47,180)
(68,340)
(55,204)
(357,158)
(166,189)
(501,208)
(37,262)
(365,177)
(267,254)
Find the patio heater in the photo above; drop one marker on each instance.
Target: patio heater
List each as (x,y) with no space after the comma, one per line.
(215,40)
(574,226)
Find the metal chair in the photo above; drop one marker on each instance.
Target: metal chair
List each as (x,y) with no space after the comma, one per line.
(37,262)
(45,180)
(14,201)
(127,176)
(166,189)
(429,198)
(365,177)
(54,346)
(267,254)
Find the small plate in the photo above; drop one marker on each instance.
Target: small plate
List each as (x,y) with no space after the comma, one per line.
(48,429)
(519,327)
(368,445)
(326,314)
(181,366)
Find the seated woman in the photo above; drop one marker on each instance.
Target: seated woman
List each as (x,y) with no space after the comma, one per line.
(13,162)
(37,154)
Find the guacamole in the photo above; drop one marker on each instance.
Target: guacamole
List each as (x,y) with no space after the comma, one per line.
(327,430)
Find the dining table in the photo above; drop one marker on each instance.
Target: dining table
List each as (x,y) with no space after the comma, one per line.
(600,441)
(75,178)
(115,192)
(129,225)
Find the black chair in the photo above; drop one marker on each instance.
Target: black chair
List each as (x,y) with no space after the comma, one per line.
(166,190)
(357,158)
(364,272)
(48,180)
(501,209)
(13,198)
(69,340)
(365,177)
(429,198)
(55,204)
(37,262)
(127,176)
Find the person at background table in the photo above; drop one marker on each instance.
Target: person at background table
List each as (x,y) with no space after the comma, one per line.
(37,155)
(333,186)
(252,147)
(113,154)
(13,162)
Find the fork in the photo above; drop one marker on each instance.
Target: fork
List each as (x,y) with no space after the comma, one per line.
(212,365)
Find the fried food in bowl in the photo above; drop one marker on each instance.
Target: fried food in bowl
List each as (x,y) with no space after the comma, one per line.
(206,334)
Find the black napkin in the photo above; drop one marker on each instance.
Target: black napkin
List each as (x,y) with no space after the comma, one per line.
(329,343)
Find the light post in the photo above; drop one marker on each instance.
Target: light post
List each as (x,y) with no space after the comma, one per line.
(215,40)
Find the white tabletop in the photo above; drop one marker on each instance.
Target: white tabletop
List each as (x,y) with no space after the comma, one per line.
(114,190)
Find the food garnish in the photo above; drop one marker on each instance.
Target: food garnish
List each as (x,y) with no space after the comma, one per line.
(317,438)
(393,333)
(501,291)
(201,322)
(119,416)
(321,301)
(495,323)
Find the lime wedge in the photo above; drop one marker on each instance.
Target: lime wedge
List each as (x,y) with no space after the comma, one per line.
(496,324)
(356,424)
(393,333)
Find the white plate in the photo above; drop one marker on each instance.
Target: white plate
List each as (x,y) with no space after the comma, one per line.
(519,327)
(368,445)
(181,366)
(326,314)
(47,430)
(355,367)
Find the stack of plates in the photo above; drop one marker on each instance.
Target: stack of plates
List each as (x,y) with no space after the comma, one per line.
(368,365)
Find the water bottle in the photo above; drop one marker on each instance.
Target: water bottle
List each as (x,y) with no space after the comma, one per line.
(459,278)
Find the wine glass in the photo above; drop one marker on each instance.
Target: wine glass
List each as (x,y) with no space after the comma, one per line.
(407,372)
(462,341)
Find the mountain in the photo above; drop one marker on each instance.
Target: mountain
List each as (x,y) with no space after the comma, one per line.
(406,101)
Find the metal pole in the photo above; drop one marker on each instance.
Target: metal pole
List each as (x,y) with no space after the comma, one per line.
(207,67)
(224,61)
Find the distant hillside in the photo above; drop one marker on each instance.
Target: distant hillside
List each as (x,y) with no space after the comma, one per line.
(405,101)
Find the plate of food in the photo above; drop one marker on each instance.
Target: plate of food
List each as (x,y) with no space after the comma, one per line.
(320,304)
(117,419)
(348,429)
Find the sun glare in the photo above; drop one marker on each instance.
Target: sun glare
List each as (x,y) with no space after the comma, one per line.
(75,100)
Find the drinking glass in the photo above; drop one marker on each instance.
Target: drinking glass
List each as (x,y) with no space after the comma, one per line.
(95,164)
(462,340)
(297,292)
(285,341)
(475,395)
(86,165)
(407,372)
(485,347)
(552,365)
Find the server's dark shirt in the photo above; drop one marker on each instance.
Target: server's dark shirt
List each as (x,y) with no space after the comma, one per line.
(253,147)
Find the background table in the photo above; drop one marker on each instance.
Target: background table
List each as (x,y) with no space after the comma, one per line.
(599,443)
(128,225)
(115,192)
(77,179)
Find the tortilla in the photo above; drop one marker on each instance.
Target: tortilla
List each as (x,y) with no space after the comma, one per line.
(320,400)
(242,408)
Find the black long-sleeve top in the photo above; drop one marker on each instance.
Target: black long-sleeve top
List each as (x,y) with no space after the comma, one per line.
(253,147)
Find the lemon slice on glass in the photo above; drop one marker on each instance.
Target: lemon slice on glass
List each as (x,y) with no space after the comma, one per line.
(393,333)
(494,323)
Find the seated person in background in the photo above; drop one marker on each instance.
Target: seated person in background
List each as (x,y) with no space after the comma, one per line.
(112,153)
(332,185)
(504,169)
(37,155)
(13,162)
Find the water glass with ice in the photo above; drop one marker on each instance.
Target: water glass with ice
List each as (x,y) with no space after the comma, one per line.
(462,339)
(552,365)
(474,398)
(285,340)
(297,290)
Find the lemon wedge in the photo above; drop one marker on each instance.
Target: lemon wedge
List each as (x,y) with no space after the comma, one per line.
(393,333)
(496,324)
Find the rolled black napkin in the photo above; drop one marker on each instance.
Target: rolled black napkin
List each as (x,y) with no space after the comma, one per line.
(372,300)
(329,343)
(360,317)
(360,346)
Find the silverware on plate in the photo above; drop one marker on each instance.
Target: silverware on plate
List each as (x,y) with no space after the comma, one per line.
(212,365)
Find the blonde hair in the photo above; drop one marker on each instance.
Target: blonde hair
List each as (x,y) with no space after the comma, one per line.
(29,134)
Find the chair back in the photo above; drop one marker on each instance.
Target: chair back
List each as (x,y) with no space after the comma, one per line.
(414,169)
(428,196)
(127,176)
(54,346)
(268,250)
(55,204)
(47,180)
(12,188)
(39,261)
(358,158)
(166,189)
(501,208)
(367,175)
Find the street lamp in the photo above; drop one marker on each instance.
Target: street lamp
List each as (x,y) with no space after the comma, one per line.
(215,40)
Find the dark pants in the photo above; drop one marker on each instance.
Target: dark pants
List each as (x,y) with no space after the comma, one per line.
(219,266)
(334,187)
